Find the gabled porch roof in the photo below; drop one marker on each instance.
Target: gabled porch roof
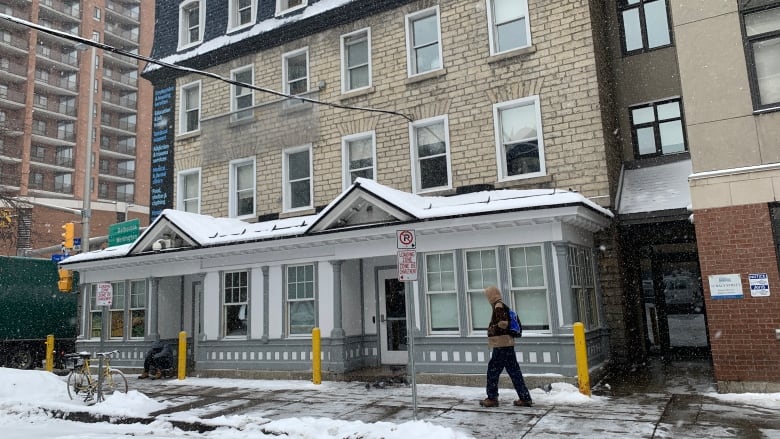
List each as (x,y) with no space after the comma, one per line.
(364,204)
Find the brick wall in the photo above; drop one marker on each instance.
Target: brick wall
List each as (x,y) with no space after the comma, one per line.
(742,331)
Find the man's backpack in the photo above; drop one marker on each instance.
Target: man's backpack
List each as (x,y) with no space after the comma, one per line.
(515,327)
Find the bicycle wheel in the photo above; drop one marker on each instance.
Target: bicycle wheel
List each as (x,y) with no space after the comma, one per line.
(114,381)
(78,384)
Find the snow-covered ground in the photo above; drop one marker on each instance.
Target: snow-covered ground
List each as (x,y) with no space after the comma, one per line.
(28,400)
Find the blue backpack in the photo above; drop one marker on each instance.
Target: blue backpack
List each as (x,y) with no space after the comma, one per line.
(515,327)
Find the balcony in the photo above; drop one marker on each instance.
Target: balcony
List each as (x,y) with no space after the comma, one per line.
(127,102)
(116,76)
(60,9)
(9,175)
(10,149)
(127,35)
(15,42)
(125,147)
(13,71)
(111,121)
(52,160)
(108,192)
(121,10)
(50,186)
(11,98)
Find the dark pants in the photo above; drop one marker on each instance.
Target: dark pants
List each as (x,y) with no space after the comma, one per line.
(504,358)
(153,364)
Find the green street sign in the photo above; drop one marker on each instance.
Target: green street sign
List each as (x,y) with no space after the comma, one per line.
(124,232)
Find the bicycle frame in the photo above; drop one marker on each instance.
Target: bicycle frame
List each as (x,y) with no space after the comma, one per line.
(81,380)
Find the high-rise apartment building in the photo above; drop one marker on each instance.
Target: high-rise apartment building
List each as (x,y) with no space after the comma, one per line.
(46,119)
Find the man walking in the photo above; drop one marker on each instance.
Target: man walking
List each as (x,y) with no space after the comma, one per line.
(503,355)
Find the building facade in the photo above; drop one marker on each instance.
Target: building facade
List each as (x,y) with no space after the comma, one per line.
(729,54)
(429,101)
(46,118)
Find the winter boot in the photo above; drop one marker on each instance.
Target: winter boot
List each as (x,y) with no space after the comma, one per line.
(521,403)
(487,402)
(143,376)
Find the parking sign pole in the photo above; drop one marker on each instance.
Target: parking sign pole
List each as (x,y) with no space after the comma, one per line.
(407,273)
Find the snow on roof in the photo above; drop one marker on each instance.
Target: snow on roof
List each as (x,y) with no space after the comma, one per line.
(655,188)
(206,231)
(264,26)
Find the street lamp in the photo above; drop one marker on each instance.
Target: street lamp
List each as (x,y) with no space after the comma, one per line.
(85,209)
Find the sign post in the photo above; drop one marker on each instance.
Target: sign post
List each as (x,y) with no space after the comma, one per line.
(407,273)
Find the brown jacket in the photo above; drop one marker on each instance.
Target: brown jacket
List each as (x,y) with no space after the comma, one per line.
(498,328)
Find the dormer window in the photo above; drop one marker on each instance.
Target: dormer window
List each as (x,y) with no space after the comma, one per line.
(191,23)
(242,13)
(285,6)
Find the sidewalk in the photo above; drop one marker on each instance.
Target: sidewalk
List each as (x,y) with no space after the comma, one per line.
(668,401)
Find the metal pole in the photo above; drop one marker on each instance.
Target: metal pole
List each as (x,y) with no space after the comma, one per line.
(409,293)
(85,211)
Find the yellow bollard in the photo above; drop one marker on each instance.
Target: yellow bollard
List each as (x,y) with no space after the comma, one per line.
(182,366)
(49,353)
(581,352)
(316,362)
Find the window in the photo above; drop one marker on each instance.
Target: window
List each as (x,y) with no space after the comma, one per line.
(297,190)
(117,310)
(235,298)
(441,292)
(191,20)
(359,154)
(188,191)
(645,25)
(528,284)
(481,272)
(137,308)
(583,286)
(356,60)
(63,182)
(657,129)
(242,13)
(301,311)
(95,314)
(296,72)
(242,188)
(96,14)
(762,44)
(519,143)
(242,98)
(430,154)
(423,42)
(64,156)
(509,29)
(124,192)
(283,6)
(190,108)
(38,127)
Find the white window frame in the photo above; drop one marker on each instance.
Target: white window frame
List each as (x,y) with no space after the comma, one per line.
(183,111)
(133,306)
(430,293)
(285,80)
(240,303)
(234,13)
(412,69)
(357,35)
(181,189)
(241,113)
(286,190)
(288,301)
(283,8)
(346,172)
(493,28)
(479,293)
(184,25)
(416,174)
(233,187)
(503,174)
(515,290)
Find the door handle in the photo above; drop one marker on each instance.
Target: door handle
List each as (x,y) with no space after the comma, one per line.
(381,317)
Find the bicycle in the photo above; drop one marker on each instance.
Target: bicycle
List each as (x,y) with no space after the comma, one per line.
(81,382)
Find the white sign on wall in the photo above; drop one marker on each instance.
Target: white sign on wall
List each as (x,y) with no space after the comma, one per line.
(104,294)
(407,265)
(725,286)
(759,284)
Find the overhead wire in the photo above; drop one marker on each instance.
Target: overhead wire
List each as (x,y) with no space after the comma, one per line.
(81,40)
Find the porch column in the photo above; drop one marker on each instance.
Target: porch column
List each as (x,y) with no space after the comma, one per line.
(338,330)
(266,301)
(568,304)
(154,302)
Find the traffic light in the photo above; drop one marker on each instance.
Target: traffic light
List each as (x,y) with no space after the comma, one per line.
(67,235)
(65,284)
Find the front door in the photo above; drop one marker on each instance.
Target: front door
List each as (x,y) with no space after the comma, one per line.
(392,318)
